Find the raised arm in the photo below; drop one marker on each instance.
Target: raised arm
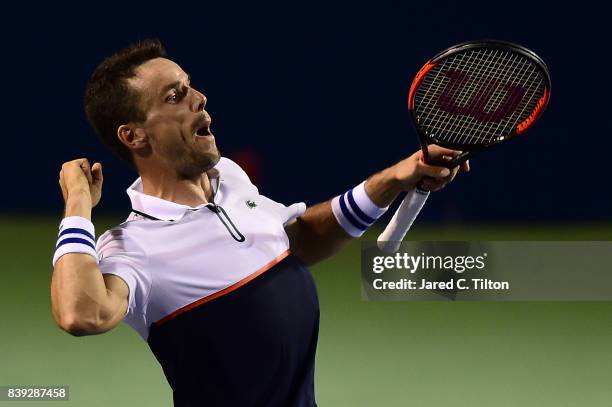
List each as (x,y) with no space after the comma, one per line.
(83,301)
(317,235)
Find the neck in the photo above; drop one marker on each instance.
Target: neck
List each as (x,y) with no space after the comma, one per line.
(165,185)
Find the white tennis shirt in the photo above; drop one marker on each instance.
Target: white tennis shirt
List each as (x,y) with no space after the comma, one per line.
(185,255)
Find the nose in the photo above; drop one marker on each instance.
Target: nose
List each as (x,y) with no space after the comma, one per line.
(199,101)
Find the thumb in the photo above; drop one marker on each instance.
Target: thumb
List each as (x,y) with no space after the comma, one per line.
(433,171)
(96,174)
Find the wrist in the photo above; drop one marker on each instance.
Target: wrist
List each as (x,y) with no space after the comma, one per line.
(78,205)
(383,187)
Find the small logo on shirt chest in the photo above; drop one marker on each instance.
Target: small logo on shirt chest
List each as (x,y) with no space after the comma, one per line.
(250,204)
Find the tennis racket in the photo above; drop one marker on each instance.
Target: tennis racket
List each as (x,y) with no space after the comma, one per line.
(470,97)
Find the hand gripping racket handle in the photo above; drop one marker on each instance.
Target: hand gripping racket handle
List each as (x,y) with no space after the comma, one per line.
(391,238)
(449,163)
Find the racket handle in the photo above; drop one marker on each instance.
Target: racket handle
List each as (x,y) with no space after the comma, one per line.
(452,163)
(391,238)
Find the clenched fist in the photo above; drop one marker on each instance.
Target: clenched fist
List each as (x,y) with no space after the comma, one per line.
(384,186)
(81,186)
(413,170)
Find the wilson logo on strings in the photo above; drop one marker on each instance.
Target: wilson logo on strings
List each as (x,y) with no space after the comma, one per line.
(481,94)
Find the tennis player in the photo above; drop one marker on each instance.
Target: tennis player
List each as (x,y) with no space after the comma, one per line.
(212,274)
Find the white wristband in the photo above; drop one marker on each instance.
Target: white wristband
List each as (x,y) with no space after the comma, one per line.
(355,211)
(76,235)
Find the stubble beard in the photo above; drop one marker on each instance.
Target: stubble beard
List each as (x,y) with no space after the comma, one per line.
(196,163)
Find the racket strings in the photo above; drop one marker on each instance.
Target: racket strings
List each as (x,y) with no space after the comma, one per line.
(519,67)
(491,100)
(468,92)
(473,126)
(493,69)
(478,96)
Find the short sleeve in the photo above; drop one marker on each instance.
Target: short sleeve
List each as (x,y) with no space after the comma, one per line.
(120,256)
(286,213)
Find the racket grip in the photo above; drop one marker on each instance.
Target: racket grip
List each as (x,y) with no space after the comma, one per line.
(452,163)
(391,238)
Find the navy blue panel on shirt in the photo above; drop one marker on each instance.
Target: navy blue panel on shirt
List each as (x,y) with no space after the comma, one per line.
(254,346)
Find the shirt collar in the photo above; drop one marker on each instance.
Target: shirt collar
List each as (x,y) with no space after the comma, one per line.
(160,208)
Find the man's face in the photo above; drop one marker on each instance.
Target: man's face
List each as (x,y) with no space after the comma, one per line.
(177,126)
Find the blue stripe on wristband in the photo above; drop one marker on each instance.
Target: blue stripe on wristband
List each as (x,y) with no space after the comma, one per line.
(75,240)
(349,216)
(357,209)
(76,230)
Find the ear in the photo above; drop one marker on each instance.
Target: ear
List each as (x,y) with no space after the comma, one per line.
(135,138)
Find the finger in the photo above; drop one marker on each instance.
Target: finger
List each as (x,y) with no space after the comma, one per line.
(84,164)
(62,184)
(432,186)
(437,151)
(96,174)
(426,185)
(466,166)
(433,171)
(81,162)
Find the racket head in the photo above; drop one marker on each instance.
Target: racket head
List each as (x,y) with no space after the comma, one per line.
(477,94)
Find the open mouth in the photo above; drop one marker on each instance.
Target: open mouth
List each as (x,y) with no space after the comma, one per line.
(204,131)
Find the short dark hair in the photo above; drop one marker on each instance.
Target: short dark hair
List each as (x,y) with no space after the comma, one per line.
(110,101)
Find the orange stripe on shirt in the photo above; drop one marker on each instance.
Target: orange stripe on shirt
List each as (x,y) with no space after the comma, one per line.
(226,290)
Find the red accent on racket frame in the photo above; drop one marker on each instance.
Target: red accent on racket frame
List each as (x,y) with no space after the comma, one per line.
(417,82)
(539,109)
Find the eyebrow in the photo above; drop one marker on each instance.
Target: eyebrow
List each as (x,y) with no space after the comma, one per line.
(174,85)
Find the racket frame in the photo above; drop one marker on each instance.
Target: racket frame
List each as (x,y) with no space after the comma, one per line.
(426,140)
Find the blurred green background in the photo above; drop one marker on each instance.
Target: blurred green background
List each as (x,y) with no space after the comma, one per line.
(370,354)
